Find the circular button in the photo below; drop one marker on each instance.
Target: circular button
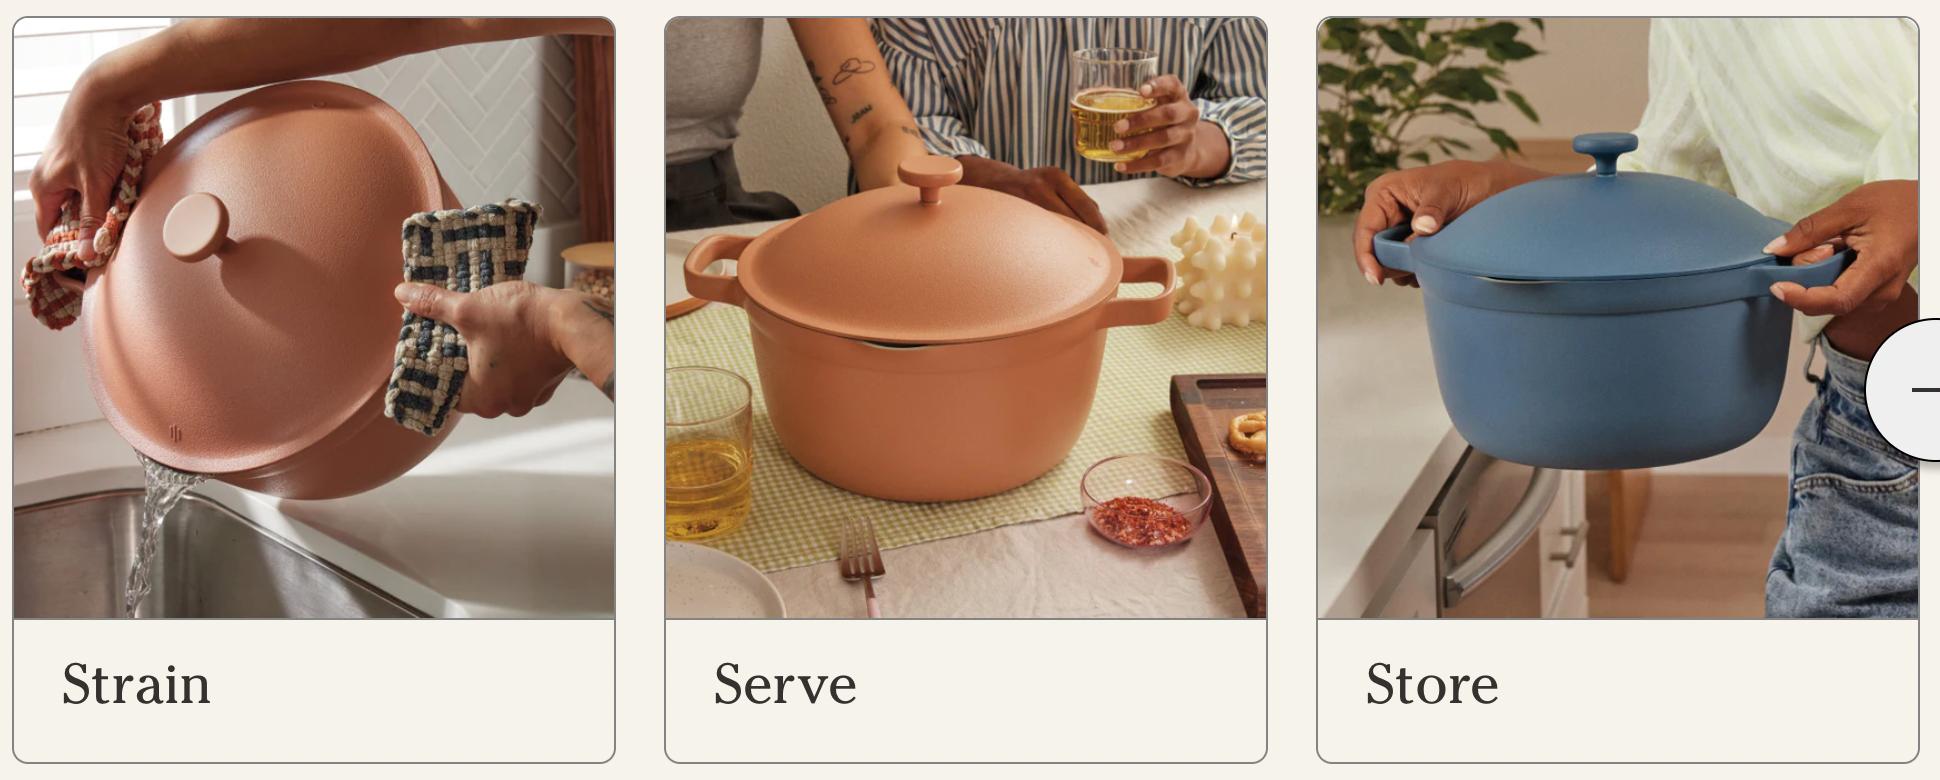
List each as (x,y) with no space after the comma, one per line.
(1903,390)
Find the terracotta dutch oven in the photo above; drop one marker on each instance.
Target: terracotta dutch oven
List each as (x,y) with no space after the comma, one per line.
(246,327)
(929,342)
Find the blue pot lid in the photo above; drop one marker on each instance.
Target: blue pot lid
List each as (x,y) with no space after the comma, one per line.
(1604,225)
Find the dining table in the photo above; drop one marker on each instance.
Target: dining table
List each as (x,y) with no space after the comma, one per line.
(1056,567)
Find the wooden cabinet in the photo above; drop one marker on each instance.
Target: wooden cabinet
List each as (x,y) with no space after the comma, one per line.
(1563,544)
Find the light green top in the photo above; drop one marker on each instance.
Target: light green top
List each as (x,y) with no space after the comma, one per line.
(1787,114)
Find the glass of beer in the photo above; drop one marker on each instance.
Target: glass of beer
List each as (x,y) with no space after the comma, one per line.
(1104,89)
(710,452)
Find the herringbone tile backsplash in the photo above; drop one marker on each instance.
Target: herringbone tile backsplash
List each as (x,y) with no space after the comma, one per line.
(498,118)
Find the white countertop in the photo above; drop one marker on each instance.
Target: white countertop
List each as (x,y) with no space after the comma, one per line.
(1381,424)
(1056,567)
(512,517)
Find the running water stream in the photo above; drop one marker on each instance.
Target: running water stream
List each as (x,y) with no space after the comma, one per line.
(164,489)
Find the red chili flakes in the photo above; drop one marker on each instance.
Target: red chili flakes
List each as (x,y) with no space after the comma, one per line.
(1141,522)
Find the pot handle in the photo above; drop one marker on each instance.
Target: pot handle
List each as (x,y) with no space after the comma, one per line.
(1142,311)
(1392,251)
(1762,276)
(719,288)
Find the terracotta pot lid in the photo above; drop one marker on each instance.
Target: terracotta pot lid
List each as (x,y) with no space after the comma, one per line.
(930,263)
(248,313)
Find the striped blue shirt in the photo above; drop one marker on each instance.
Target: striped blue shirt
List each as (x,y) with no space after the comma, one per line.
(1000,88)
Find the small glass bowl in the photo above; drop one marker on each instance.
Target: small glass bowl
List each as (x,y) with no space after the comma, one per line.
(1117,490)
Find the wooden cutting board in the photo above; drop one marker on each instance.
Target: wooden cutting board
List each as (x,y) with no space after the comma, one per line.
(1203,405)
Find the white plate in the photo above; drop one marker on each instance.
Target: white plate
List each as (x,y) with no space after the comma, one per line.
(703,582)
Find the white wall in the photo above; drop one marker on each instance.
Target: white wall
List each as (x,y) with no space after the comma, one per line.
(786,143)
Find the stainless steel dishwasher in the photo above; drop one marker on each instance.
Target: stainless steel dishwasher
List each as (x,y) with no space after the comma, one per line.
(1485,523)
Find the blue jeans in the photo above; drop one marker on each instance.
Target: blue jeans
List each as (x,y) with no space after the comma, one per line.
(1851,546)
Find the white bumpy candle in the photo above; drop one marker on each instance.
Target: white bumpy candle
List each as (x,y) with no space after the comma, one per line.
(1222,278)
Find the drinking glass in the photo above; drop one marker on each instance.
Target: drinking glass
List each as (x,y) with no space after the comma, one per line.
(710,452)
(1104,89)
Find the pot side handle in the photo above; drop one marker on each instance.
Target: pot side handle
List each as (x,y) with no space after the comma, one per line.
(1819,274)
(1392,251)
(719,288)
(1142,311)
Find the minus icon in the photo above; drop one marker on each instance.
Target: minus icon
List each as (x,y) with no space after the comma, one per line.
(1926,389)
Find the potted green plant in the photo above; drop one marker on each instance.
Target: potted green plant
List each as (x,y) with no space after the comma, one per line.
(1384,75)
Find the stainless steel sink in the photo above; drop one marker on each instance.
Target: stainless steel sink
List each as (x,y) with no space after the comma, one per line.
(71,560)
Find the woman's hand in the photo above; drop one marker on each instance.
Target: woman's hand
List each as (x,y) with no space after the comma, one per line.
(1177,144)
(1881,223)
(1428,197)
(511,333)
(83,160)
(1051,188)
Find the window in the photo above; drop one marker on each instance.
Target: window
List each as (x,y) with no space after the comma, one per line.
(49,56)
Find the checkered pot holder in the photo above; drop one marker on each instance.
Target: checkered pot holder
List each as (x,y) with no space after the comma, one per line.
(56,306)
(462,250)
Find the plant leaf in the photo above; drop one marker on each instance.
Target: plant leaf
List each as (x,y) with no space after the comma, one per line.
(1345,39)
(1435,51)
(1522,104)
(1539,26)
(1333,74)
(1512,51)
(1448,108)
(1498,32)
(1421,156)
(1478,88)
(1400,42)
(1364,78)
(1502,140)
(1399,78)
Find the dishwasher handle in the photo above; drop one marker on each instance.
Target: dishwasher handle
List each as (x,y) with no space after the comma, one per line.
(1508,538)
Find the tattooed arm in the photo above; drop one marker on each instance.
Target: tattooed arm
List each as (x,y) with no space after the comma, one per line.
(868,113)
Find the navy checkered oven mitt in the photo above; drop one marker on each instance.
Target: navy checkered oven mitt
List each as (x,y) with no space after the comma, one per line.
(462,250)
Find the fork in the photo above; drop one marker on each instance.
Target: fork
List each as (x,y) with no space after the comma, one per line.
(861,558)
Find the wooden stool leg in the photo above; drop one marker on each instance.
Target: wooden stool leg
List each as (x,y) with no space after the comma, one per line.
(1617,500)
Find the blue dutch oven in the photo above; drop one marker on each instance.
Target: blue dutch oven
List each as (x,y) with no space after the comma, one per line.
(1606,320)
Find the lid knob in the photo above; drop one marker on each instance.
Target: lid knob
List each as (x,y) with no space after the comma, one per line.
(930,174)
(196,227)
(1605,147)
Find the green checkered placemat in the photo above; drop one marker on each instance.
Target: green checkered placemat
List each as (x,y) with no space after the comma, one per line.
(796,515)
